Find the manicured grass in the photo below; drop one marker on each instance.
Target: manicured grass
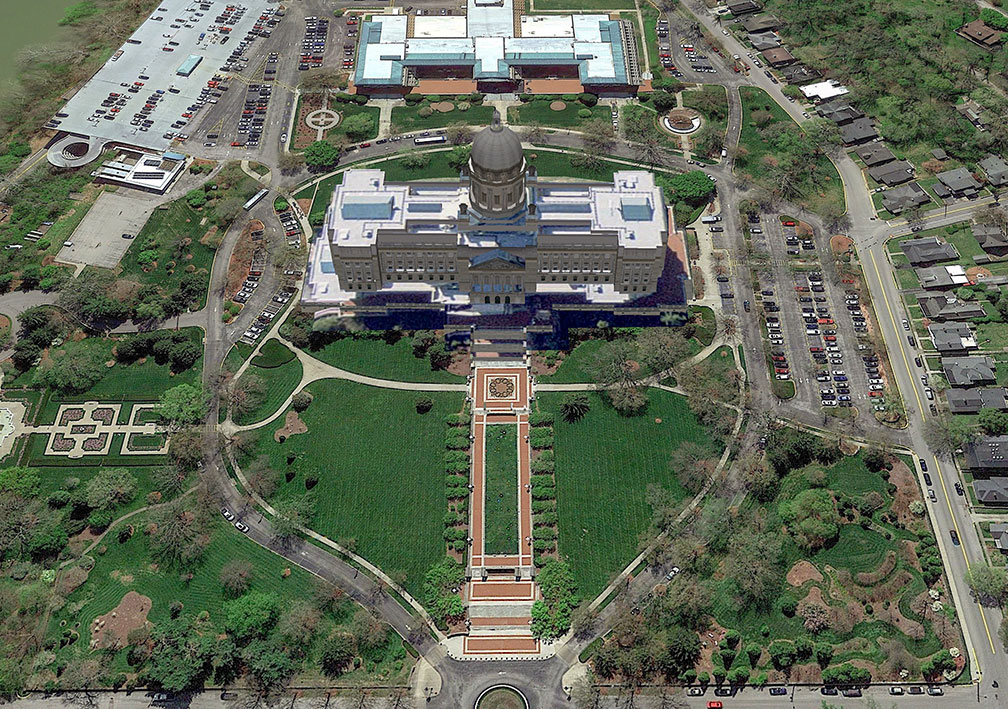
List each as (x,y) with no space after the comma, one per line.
(576,364)
(850,475)
(236,356)
(352,109)
(500,521)
(380,471)
(992,335)
(272,354)
(541,113)
(577,5)
(146,441)
(377,359)
(825,180)
(409,119)
(604,465)
(279,381)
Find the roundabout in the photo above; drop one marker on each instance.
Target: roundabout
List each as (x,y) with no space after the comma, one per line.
(323,119)
(501,696)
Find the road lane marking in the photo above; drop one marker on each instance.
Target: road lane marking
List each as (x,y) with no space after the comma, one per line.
(962,548)
(906,362)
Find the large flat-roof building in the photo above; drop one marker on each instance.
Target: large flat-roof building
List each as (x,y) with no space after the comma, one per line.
(497,243)
(496,48)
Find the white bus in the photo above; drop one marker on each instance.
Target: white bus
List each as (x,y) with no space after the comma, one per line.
(256,198)
(430,140)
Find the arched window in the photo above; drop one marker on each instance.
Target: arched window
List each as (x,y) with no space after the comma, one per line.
(507,299)
(497,299)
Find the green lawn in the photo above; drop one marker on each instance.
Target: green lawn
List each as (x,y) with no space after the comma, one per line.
(352,109)
(408,118)
(817,189)
(500,519)
(575,365)
(578,5)
(280,372)
(992,335)
(380,471)
(541,113)
(377,359)
(604,464)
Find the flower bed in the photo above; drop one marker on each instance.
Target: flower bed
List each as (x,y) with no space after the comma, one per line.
(62,444)
(97,443)
(82,428)
(105,414)
(70,415)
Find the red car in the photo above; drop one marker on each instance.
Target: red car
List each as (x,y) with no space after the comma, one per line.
(789,223)
(715,704)
(830,338)
(815,349)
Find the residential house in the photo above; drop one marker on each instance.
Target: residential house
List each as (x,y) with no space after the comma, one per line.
(946,307)
(942,277)
(939,154)
(874,153)
(761,41)
(980,34)
(998,530)
(928,250)
(892,173)
(952,337)
(743,7)
(959,182)
(976,114)
(760,23)
(991,239)
(800,75)
(970,401)
(987,453)
(996,170)
(993,491)
(858,131)
(778,57)
(904,197)
(970,371)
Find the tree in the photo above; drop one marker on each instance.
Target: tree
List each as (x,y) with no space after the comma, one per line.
(993,422)
(551,615)
(185,449)
(110,488)
(812,518)
(20,480)
(359,126)
(251,616)
(440,356)
(782,654)
(293,514)
(692,464)
(680,652)
(661,348)
(439,592)
(458,156)
(72,370)
(268,664)
(181,405)
(574,406)
(945,434)
(235,576)
(178,535)
(321,155)
(989,584)
(301,401)
(291,163)
(337,654)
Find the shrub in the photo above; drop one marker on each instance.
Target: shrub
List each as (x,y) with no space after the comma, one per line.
(541,438)
(588,99)
(424,404)
(540,418)
(425,112)
(584,113)
(301,401)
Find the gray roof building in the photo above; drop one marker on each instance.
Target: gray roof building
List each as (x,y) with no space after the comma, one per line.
(986,453)
(743,7)
(952,337)
(959,181)
(969,371)
(996,170)
(904,197)
(858,131)
(999,530)
(970,401)
(892,173)
(799,74)
(760,23)
(939,154)
(927,250)
(991,239)
(993,491)
(872,154)
(946,307)
(762,41)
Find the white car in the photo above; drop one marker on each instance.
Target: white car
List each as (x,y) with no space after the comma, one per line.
(228,514)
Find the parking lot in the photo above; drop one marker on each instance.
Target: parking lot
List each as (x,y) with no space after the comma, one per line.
(107,230)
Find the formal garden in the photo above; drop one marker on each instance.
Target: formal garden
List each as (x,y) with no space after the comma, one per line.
(500,499)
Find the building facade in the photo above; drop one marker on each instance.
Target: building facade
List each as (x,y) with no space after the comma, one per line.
(495,241)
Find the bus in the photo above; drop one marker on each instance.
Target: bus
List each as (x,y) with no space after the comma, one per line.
(256,198)
(430,140)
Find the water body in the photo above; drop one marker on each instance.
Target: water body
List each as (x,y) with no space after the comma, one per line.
(27,23)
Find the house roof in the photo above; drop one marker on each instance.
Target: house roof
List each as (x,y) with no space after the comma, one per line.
(743,7)
(872,154)
(980,33)
(952,336)
(986,453)
(970,401)
(858,131)
(968,371)
(996,169)
(989,236)
(939,154)
(959,180)
(758,23)
(992,491)
(928,249)
(800,74)
(764,40)
(892,173)
(904,197)
(945,307)
(778,56)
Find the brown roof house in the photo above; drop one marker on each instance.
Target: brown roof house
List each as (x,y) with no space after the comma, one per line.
(874,153)
(760,23)
(980,34)
(778,57)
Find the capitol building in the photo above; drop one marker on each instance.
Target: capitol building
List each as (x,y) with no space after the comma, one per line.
(497,243)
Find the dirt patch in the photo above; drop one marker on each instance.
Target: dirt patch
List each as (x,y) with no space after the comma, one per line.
(305,204)
(303,135)
(840,244)
(241,258)
(557,106)
(709,643)
(210,238)
(461,364)
(907,491)
(540,366)
(809,673)
(113,628)
(443,107)
(292,425)
(803,572)
(976,273)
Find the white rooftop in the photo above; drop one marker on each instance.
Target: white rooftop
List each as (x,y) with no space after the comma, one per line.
(438,26)
(824,90)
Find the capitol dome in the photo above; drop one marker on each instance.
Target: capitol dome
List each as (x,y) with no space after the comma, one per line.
(497,148)
(497,171)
